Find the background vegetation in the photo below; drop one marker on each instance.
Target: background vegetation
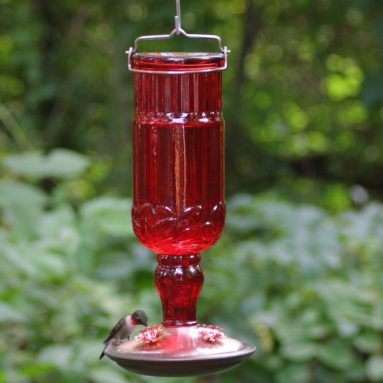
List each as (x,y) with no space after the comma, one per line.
(300,262)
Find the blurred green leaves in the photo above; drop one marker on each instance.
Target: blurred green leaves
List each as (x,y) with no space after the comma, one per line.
(21,205)
(9,314)
(303,93)
(306,284)
(111,215)
(60,163)
(375,368)
(345,79)
(309,282)
(304,116)
(54,310)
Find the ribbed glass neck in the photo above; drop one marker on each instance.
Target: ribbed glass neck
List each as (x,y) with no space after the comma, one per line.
(177,94)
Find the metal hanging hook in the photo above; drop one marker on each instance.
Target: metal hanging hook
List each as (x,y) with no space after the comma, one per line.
(177,31)
(177,18)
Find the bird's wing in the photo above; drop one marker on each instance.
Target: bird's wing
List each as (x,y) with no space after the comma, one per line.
(115,330)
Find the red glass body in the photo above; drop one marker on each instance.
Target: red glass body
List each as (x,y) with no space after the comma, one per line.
(179,206)
(179,280)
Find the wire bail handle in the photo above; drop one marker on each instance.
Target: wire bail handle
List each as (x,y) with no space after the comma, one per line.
(177,31)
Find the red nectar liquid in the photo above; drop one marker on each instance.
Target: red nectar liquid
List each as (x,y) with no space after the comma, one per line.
(179,206)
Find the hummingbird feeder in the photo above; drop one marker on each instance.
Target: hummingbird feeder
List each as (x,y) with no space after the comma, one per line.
(179,203)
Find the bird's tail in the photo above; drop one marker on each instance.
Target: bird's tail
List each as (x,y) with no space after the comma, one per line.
(102,354)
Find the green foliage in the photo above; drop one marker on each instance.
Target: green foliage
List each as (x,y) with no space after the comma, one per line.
(303,107)
(309,286)
(303,285)
(55,305)
(303,93)
(59,163)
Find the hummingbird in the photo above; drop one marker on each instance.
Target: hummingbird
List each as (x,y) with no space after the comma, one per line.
(124,327)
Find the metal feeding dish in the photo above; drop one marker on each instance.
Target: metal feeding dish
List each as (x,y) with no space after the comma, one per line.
(180,351)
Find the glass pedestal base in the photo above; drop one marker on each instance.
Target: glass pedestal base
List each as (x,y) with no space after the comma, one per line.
(179,351)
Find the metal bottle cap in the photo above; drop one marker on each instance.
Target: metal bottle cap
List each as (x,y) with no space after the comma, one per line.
(177,31)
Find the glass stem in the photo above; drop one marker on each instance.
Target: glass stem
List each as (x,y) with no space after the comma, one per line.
(179,280)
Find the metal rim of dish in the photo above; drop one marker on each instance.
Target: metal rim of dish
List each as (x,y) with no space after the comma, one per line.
(246,350)
(180,366)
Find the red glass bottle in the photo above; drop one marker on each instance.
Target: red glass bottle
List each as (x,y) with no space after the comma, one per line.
(179,203)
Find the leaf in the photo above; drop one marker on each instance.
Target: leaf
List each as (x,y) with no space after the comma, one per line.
(24,164)
(336,354)
(16,258)
(369,342)
(293,373)
(58,229)
(299,352)
(36,370)
(105,374)
(58,355)
(13,192)
(60,163)
(9,314)
(111,215)
(88,350)
(318,331)
(273,362)
(22,205)
(66,164)
(50,265)
(374,368)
